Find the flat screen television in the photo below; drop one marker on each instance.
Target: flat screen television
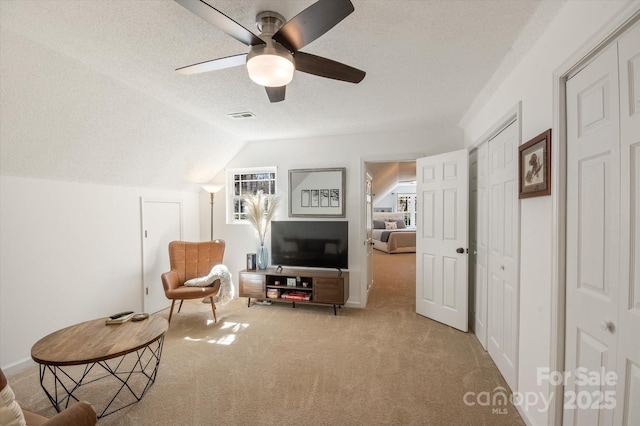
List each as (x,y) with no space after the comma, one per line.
(313,244)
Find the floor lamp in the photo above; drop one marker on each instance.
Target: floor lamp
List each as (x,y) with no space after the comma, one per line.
(212,188)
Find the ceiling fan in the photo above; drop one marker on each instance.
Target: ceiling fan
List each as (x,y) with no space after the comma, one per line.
(275,54)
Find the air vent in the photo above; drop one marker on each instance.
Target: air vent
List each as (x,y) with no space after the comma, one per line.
(241,115)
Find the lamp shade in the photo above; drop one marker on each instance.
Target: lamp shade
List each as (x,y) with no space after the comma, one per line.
(270,70)
(212,187)
(270,65)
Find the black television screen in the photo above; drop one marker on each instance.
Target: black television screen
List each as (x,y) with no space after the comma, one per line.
(320,244)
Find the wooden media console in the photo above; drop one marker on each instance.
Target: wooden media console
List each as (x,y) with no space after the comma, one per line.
(330,287)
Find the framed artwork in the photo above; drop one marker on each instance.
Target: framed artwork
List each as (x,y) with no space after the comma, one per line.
(535,166)
(317,192)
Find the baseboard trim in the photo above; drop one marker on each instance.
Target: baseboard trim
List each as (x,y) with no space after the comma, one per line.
(524,416)
(18,366)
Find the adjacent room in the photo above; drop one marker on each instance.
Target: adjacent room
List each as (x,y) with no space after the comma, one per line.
(284,212)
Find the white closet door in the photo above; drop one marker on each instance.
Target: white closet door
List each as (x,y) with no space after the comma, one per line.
(593,232)
(161,224)
(479,236)
(473,214)
(503,294)
(628,365)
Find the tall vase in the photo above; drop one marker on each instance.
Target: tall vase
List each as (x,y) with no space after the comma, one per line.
(262,257)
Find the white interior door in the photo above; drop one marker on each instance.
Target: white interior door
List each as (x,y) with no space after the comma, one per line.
(628,363)
(441,238)
(161,224)
(593,231)
(473,213)
(368,185)
(478,240)
(503,248)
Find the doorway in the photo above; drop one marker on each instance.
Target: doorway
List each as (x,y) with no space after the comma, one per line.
(440,286)
(387,185)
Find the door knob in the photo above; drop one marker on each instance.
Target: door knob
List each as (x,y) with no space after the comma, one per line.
(460,250)
(606,326)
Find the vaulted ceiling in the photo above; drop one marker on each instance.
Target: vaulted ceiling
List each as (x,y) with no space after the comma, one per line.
(426,61)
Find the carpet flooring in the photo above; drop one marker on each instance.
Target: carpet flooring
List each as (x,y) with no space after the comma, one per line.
(275,365)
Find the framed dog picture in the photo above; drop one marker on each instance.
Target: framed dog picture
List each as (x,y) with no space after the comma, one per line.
(535,166)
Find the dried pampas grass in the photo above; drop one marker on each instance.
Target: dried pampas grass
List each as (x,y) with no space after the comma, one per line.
(260,209)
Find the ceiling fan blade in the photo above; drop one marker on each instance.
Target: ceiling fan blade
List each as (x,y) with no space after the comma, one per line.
(312,22)
(276,94)
(214,64)
(324,67)
(221,21)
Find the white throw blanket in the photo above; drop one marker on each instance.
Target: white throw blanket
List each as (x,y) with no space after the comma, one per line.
(218,272)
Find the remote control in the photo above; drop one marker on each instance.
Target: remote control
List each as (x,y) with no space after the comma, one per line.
(120,314)
(139,317)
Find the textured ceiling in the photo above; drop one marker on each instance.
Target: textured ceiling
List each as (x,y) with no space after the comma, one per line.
(426,63)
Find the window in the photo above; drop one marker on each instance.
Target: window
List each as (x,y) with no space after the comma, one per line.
(242,182)
(407,205)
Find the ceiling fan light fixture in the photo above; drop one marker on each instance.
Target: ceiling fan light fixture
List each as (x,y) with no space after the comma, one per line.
(270,67)
(270,61)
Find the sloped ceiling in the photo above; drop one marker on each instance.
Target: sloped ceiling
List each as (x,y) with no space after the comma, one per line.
(426,62)
(387,175)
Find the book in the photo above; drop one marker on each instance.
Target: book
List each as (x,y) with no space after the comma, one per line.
(119,320)
(296,295)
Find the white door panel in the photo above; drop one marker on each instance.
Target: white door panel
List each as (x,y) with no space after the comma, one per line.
(441,271)
(593,230)
(628,362)
(368,202)
(473,237)
(503,289)
(478,249)
(162,223)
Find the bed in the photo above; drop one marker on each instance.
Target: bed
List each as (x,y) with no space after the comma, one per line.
(391,240)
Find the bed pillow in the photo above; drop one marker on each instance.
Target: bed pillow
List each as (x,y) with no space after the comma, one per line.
(401,224)
(378,224)
(390,225)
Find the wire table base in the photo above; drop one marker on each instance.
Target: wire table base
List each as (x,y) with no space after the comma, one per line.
(133,374)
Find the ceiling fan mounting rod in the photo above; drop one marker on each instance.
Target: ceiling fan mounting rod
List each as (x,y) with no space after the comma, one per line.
(269,22)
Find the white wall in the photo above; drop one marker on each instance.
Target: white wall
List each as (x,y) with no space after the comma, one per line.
(62,120)
(531,82)
(70,252)
(331,151)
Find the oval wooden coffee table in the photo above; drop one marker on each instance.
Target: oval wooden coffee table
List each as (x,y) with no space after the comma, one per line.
(123,358)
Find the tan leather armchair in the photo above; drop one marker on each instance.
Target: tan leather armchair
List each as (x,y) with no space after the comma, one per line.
(192,260)
(79,414)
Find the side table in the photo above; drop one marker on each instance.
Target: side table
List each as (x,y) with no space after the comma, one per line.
(121,360)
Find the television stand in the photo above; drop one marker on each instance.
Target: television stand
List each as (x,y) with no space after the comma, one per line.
(296,286)
(279,270)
